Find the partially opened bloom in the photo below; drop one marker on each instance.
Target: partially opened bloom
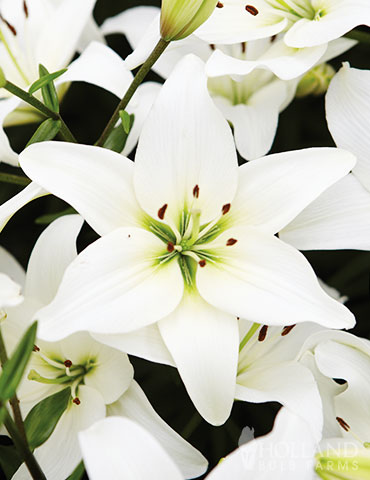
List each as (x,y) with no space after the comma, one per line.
(98,379)
(187,238)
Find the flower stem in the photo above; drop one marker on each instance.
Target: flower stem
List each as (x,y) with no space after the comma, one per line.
(16,428)
(14,179)
(34,102)
(362,37)
(139,78)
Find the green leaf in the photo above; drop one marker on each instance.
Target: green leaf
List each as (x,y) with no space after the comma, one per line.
(43,418)
(45,78)
(116,140)
(2,78)
(127,121)
(10,460)
(46,131)
(49,92)
(78,472)
(14,368)
(50,217)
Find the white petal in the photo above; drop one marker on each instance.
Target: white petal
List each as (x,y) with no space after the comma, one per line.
(287,453)
(10,207)
(145,343)
(268,282)
(58,39)
(337,219)
(274,189)
(192,145)
(119,448)
(102,67)
(288,383)
(134,405)
(112,373)
(53,252)
(95,181)
(7,155)
(10,266)
(348,115)
(338,18)
(60,455)
(114,286)
(10,292)
(204,344)
(285,62)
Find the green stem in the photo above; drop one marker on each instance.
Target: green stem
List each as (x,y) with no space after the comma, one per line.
(139,78)
(23,449)
(14,179)
(34,102)
(362,37)
(249,335)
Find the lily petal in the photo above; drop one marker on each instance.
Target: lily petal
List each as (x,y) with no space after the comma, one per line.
(11,267)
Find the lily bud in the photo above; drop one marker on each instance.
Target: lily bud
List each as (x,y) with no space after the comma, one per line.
(316,81)
(180,18)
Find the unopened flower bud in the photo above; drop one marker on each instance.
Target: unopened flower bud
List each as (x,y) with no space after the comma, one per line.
(179,18)
(316,81)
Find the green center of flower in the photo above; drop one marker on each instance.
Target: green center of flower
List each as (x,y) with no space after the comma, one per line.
(295,10)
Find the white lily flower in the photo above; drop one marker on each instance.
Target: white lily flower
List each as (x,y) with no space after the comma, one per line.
(188,239)
(307,23)
(339,218)
(250,83)
(11,281)
(112,447)
(100,377)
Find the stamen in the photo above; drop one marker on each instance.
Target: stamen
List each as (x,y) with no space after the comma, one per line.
(192,255)
(202,263)
(220,5)
(76,401)
(68,364)
(36,348)
(170,247)
(287,330)
(226,208)
(195,215)
(343,424)
(212,46)
(11,28)
(162,211)
(252,10)
(244,47)
(263,333)
(25,8)
(231,242)
(196,191)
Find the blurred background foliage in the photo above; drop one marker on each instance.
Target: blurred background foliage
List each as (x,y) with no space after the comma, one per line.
(86,109)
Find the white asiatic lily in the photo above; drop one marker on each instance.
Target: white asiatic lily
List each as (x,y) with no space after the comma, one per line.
(187,237)
(339,218)
(11,279)
(251,83)
(306,23)
(287,453)
(100,378)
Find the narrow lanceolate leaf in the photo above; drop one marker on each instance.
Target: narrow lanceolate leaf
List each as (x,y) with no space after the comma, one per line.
(78,472)
(49,92)
(14,368)
(46,131)
(43,418)
(45,78)
(127,121)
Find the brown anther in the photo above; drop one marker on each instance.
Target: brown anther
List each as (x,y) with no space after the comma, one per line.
(11,28)
(252,10)
(212,46)
(202,263)
(231,241)
(244,47)
(343,424)
(226,208)
(196,191)
(162,211)
(170,247)
(287,330)
(128,236)
(76,401)
(273,38)
(238,318)
(25,8)
(263,333)
(68,364)
(220,5)
(36,348)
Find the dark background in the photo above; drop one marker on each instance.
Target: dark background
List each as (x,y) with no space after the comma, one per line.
(86,109)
